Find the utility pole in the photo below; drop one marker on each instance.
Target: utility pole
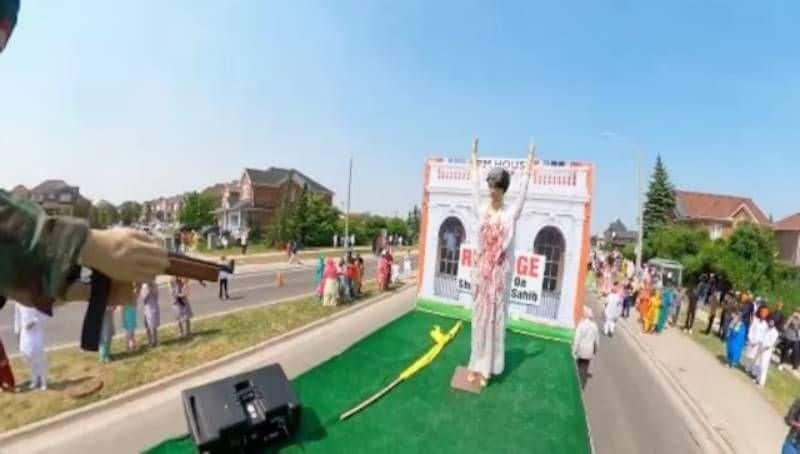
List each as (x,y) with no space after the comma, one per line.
(640,207)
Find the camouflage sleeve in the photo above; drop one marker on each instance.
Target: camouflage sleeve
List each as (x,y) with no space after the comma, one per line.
(38,253)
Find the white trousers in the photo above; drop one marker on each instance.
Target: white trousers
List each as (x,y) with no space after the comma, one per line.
(609,326)
(37,361)
(762,366)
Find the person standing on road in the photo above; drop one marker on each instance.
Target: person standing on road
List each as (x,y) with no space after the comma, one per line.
(628,299)
(585,344)
(612,310)
(737,336)
(148,297)
(755,335)
(777,316)
(183,310)
(643,306)
(224,278)
(243,241)
(651,318)
(331,285)
(667,299)
(29,326)
(765,350)
(294,247)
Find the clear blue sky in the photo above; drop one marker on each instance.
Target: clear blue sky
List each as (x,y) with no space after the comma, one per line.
(132,100)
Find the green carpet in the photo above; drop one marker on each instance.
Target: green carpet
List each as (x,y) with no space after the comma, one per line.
(535,407)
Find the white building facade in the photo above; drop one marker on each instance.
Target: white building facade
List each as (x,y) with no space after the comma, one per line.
(555,223)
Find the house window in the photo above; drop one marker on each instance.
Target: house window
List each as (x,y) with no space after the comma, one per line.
(715,232)
(65,197)
(550,243)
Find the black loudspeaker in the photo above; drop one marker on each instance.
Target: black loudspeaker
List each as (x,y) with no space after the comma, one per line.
(242,413)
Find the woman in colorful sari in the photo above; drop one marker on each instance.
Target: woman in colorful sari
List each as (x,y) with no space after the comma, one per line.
(666,305)
(643,306)
(653,311)
(318,281)
(737,335)
(383,272)
(330,277)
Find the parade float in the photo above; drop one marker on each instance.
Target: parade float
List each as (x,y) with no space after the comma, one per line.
(535,406)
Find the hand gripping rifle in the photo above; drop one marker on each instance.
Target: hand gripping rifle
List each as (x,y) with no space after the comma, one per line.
(179,265)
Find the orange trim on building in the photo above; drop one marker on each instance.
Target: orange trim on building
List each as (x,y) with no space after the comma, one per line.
(423,226)
(585,248)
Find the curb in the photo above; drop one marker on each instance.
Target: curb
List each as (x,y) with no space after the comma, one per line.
(17,435)
(710,440)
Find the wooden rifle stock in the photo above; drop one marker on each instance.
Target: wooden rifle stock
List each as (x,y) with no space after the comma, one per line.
(179,265)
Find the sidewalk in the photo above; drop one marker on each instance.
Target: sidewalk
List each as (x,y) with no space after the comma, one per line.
(730,406)
(134,424)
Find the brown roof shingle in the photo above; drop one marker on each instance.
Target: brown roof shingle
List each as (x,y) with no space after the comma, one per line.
(788,223)
(700,205)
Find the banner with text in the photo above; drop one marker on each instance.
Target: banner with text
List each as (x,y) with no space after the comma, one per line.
(466,263)
(528,278)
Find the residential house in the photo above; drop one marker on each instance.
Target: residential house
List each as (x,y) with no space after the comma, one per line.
(163,209)
(55,196)
(719,214)
(787,235)
(617,235)
(254,199)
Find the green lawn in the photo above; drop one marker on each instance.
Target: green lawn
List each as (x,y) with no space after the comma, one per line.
(535,407)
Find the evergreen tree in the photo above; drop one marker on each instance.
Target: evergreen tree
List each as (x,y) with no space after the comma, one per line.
(413,221)
(659,208)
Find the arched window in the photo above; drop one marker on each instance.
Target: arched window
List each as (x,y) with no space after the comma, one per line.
(451,235)
(550,243)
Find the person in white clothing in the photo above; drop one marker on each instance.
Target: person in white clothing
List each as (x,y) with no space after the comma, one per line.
(585,343)
(758,329)
(29,325)
(612,310)
(765,350)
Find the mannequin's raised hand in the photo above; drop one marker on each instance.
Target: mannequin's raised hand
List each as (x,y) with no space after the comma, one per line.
(124,255)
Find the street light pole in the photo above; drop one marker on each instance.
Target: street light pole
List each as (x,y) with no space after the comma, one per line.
(640,207)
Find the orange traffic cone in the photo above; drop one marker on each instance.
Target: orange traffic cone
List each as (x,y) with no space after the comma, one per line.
(279,280)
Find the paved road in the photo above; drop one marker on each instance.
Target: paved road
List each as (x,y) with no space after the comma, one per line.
(244,289)
(627,409)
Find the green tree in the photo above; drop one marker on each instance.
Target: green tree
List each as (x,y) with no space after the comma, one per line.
(300,217)
(103,215)
(197,211)
(82,208)
(323,220)
(413,222)
(280,230)
(129,212)
(748,260)
(675,242)
(659,208)
(397,226)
